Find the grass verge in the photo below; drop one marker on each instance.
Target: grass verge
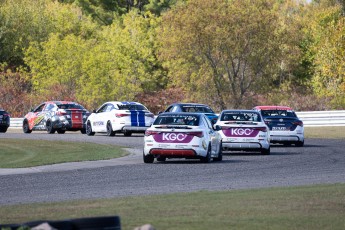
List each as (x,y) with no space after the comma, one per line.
(306,207)
(327,132)
(28,153)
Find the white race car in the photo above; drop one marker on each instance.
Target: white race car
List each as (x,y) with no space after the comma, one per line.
(182,135)
(244,130)
(119,117)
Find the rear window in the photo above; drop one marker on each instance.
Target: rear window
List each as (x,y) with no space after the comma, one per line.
(172,119)
(131,107)
(196,109)
(2,112)
(70,106)
(240,116)
(280,113)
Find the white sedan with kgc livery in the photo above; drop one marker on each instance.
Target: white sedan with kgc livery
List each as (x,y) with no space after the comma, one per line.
(182,135)
(244,130)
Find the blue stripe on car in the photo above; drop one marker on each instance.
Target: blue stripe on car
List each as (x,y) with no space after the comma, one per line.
(137,118)
(134,118)
(141,118)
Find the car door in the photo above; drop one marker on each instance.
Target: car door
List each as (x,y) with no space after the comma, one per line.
(99,124)
(213,135)
(36,117)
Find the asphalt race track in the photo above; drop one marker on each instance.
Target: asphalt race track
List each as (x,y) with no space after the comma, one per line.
(319,161)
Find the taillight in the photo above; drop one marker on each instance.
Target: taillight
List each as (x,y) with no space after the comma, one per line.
(119,115)
(150,132)
(262,129)
(300,123)
(197,134)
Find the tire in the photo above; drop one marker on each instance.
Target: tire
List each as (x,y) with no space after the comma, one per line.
(110,131)
(83,131)
(266,151)
(207,158)
(59,131)
(127,133)
(3,130)
(49,126)
(89,129)
(299,143)
(26,128)
(161,159)
(148,159)
(220,153)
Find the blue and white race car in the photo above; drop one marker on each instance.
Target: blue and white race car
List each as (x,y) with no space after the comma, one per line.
(119,117)
(285,127)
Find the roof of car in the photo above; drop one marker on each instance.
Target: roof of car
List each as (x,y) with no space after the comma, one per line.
(124,102)
(272,107)
(62,102)
(182,103)
(239,110)
(181,113)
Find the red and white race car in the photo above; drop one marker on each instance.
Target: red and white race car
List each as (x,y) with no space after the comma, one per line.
(285,127)
(60,116)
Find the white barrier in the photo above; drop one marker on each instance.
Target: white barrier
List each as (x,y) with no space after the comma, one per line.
(323,118)
(312,118)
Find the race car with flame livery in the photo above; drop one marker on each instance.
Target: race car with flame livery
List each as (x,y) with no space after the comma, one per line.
(285,127)
(56,116)
(244,130)
(182,135)
(119,117)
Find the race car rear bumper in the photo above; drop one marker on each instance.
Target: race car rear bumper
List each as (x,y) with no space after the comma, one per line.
(233,146)
(174,153)
(135,129)
(283,139)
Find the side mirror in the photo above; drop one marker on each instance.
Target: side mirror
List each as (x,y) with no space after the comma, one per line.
(217,128)
(159,112)
(94,111)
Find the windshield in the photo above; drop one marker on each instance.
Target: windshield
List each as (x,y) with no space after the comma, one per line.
(240,116)
(196,109)
(70,106)
(131,107)
(177,119)
(272,113)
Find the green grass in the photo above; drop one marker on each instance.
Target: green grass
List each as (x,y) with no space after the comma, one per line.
(27,153)
(307,207)
(328,132)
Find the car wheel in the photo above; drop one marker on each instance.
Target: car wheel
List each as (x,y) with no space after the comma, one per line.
(83,131)
(148,158)
(50,128)
(89,129)
(127,134)
(26,128)
(3,130)
(299,143)
(266,151)
(110,131)
(220,153)
(207,158)
(59,131)
(161,159)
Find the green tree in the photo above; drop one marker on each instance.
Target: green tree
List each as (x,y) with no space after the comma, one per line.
(123,63)
(22,21)
(328,30)
(222,51)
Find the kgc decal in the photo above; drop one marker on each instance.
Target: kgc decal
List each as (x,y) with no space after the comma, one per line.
(241,132)
(174,136)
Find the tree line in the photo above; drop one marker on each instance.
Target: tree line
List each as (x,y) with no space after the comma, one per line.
(225,53)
